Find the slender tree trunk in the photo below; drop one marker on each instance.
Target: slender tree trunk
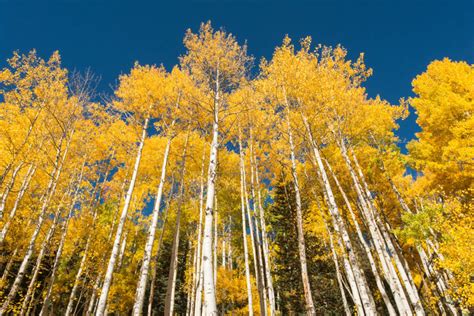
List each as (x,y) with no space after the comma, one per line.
(46,299)
(310,310)
(158,250)
(82,264)
(338,272)
(29,297)
(19,148)
(59,162)
(379,243)
(192,288)
(230,260)
(224,245)
(198,270)
(143,280)
(210,306)
(39,260)
(8,266)
(361,283)
(427,266)
(265,247)
(115,249)
(171,287)
(21,193)
(258,244)
(8,188)
(404,273)
(373,265)
(244,229)
(256,264)
(214,248)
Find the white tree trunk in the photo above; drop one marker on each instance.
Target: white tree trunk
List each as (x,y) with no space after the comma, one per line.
(8,188)
(310,310)
(118,235)
(171,287)
(359,277)
(265,246)
(158,250)
(373,265)
(21,193)
(404,273)
(210,306)
(143,280)
(214,246)
(59,162)
(244,230)
(45,306)
(198,270)
(32,284)
(338,272)
(387,267)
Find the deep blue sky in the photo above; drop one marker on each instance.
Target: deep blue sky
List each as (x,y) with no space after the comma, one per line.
(399,38)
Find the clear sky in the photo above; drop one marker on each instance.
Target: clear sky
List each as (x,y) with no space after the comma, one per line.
(399,38)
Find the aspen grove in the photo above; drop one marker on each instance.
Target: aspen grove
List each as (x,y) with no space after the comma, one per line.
(227,186)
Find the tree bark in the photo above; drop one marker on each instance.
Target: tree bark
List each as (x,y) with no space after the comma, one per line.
(59,251)
(359,277)
(115,249)
(210,306)
(59,163)
(244,229)
(8,188)
(310,310)
(171,287)
(21,193)
(198,270)
(373,265)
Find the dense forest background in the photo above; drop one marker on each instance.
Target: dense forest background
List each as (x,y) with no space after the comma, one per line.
(234,186)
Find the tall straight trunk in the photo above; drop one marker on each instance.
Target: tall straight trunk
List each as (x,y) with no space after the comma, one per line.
(230,260)
(258,244)
(224,247)
(21,193)
(428,267)
(339,276)
(8,188)
(368,251)
(214,246)
(405,273)
(171,286)
(29,297)
(255,251)
(198,270)
(156,258)
(361,282)
(6,271)
(118,235)
(45,305)
(265,247)
(310,310)
(39,260)
(352,272)
(192,288)
(143,280)
(244,229)
(85,252)
(388,269)
(50,190)
(210,306)
(338,272)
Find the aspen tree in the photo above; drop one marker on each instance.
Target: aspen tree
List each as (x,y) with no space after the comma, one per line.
(216,64)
